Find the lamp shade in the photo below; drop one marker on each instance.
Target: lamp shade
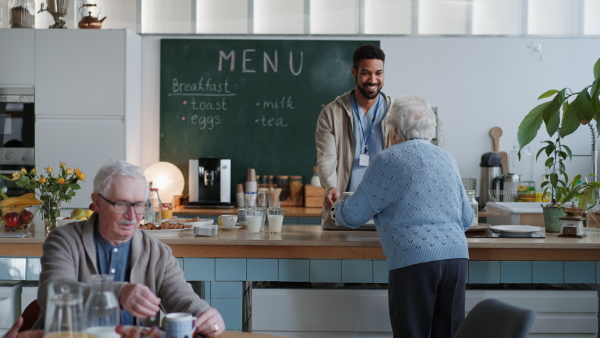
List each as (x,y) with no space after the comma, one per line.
(167,178)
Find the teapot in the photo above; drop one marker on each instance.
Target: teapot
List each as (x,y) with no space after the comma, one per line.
(90,21)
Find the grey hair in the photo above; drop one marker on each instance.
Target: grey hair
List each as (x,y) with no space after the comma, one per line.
(411,117)
(108,171)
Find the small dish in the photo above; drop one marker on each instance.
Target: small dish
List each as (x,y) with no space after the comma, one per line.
(515,228)
(64,220)
(233,228)
(199,223)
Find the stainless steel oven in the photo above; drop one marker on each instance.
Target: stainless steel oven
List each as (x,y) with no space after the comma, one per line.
(17,133)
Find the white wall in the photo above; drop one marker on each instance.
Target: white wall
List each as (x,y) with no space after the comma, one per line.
(476,83)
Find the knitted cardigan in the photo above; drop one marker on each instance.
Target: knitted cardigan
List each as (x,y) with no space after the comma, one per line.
(414,193)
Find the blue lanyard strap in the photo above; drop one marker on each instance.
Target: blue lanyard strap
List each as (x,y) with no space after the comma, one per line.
(358,111)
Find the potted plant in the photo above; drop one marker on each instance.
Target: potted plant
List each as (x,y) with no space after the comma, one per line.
(563,115)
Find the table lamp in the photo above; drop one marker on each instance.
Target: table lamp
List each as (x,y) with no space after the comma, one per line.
(167,178)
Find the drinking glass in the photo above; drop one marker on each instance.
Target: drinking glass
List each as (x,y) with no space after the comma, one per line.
(255,219)
(64,310)
(275,220)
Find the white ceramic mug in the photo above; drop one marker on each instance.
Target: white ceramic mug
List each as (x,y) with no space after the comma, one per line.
(180,325)
(228,221)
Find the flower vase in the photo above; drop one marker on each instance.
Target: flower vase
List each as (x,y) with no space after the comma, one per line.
(50,211)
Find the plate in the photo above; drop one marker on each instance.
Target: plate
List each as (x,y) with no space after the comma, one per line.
(480,227)
(166,232)
(201,222)
(233,228)
(515,228)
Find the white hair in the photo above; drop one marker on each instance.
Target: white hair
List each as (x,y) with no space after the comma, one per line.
(411,117)
(107,173)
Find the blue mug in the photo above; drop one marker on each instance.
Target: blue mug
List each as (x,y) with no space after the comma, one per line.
(180,325)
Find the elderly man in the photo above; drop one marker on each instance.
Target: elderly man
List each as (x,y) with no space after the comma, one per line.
(146,274)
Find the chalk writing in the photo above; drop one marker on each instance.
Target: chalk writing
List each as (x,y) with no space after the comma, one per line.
(283,103)
(203,85)
(205,122)
(270,62)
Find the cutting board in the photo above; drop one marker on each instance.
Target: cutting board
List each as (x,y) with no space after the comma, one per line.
(495,133)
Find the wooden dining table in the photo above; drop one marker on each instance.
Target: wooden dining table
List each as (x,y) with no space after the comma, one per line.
(232,334)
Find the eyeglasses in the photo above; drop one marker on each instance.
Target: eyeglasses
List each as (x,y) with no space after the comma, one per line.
(124,207)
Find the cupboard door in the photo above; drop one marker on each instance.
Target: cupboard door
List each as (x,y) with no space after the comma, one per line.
(16,57)
(86,144)
(80,72)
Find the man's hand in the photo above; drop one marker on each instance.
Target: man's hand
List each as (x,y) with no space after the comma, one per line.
(210,323)
(331,196)
(139,301)
(14,331)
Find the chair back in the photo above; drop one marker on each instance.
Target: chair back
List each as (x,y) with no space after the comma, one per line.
(492,318)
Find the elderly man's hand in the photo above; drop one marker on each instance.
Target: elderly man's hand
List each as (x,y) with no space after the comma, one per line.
(14,331)
(139,301)
(331,196)
(210,323)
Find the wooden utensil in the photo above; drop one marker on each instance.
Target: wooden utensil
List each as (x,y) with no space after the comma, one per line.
(495,133)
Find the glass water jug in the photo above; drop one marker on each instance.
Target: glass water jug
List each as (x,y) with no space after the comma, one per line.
(64,310)
(102,308)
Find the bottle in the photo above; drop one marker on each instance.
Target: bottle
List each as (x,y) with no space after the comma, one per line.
(153,213)
(21,13)
(475,206)
(102,309)
(314,180)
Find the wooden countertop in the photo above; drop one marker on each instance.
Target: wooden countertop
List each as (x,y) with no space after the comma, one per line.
(289,212)
(310,241)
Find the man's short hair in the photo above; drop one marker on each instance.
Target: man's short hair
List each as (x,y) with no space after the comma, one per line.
(367,52)
(107,172)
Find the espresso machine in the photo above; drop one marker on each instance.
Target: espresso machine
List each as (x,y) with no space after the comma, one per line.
(491,168)
(209,183)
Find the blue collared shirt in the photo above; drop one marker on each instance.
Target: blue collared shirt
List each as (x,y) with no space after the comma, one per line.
(362,128)
(115,261)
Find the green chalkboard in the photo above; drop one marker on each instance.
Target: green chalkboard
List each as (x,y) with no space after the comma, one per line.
(255,102)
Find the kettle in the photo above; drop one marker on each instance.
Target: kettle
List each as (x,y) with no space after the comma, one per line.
(491,168)
(509,184)
(90,21)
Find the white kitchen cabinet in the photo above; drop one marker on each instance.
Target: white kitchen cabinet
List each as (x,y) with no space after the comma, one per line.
(16,57)
(88,98)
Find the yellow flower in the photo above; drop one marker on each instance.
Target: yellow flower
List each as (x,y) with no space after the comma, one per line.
(16,176)
(61,180)
(77,172)
(33,171)
(81,177)
(42,180)
(23,171)
(48,170)
(69,171)
(62,164)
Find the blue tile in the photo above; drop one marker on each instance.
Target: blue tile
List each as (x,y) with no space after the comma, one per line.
(310,220)
(226,290)
(231,310)
(180,261)
(266,270)
(13,268)
(325,271)
(484,272)
(357,271)
(380,271)
(199,269)
(580,272)
(34,268)
(207,291)
(547,272)
(230,269)
(597,272)
(294,270)
(515,272)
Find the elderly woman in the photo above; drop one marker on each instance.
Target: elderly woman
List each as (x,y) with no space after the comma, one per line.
(414,193)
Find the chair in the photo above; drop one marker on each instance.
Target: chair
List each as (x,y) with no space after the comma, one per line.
(30,315)
(492,318)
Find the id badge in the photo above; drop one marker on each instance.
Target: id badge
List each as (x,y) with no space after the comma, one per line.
(363,160)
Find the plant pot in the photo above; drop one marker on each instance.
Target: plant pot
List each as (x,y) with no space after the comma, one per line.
(552,220)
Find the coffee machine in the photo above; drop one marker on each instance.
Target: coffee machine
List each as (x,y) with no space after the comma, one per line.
(209,183)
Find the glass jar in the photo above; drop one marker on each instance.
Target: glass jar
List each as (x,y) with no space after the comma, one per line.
(592,218)
(315,181)
(153,212)
(283,182)
(475,206)
(296,188)
(21,13)
(102,310)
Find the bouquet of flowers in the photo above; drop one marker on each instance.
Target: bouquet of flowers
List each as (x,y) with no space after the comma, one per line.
(51,188)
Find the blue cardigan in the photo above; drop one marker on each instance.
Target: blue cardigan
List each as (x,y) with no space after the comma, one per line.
(414,193)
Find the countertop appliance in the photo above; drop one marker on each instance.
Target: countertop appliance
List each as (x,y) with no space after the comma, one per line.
(209,183)
(491,168)
(17,133)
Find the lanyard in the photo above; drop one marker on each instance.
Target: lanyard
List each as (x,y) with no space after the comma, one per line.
(358,111)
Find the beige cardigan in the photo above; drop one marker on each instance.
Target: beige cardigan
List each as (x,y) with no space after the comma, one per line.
(335,144)
(69,253)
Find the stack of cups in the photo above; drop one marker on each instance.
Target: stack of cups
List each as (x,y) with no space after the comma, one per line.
(251,188)
(239,195)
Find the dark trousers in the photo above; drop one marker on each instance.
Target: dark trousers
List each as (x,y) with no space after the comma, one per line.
(428,299)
